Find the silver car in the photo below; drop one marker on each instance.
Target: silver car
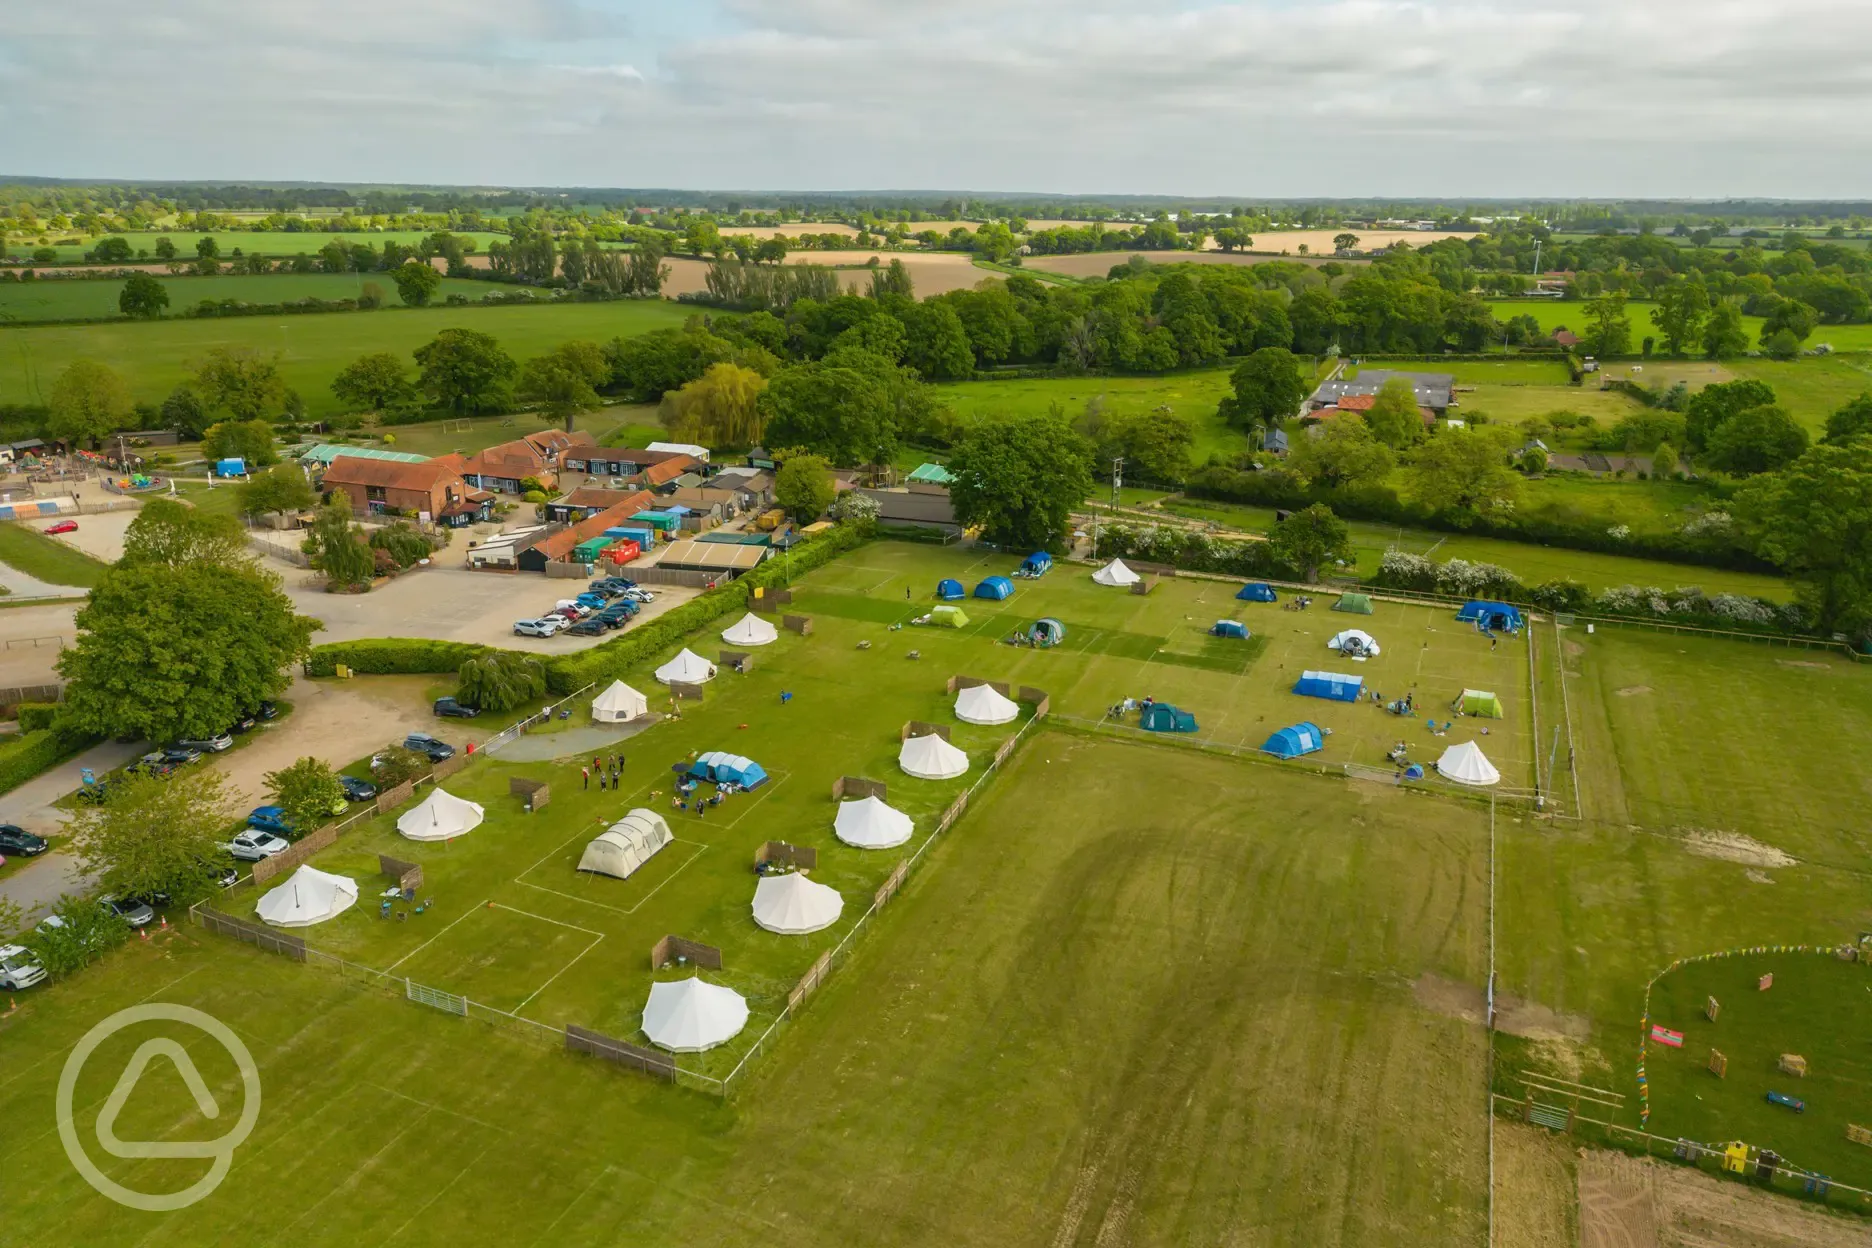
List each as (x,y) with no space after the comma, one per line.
(544,627)
(253,845)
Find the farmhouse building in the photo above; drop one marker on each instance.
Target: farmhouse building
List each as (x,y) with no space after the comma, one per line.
(617,461)
(540,456)
(1433,390)
(431,490)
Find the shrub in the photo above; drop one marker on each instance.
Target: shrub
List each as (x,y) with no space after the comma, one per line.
(403,542)
(36,752)
(1560,596)
(85,931)
(36,716)
(393,766)
(393,656)
(533,496)
(501,680)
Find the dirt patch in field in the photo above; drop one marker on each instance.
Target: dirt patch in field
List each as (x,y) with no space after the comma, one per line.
(1451,998)
(1807,663)
(1632,691)
(1573,649)
(1632,1202)
(1734,847)
(1536,1194)
(1529,1020)
(1757,877)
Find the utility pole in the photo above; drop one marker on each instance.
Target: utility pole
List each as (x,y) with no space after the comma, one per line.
(1117,480)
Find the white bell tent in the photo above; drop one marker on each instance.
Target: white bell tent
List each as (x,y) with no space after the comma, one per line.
(750,630)
(869,823)
(793,905)
(691,1015)
(1466,764)
(440,817)
(618,704)
(1115,573)
(688,668)
(932,758)
(308,896)
(982,704)
(626,845)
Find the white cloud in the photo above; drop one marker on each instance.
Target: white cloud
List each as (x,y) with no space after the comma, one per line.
(1254,99)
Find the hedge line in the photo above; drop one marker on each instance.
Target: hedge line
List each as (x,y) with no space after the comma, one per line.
(392,656)
(37,752)
(34,716)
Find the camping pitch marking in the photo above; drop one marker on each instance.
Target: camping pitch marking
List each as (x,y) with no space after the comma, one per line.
(674,840)
(425,944)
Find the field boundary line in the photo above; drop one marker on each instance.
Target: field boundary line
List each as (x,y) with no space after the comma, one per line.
(425,944)
(1566,712)
(439,1193)
(1533,701)
(417,1100)
(500,905)
(556,974)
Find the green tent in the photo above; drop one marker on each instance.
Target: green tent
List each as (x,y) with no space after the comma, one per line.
(948,617)
(1479,702)
(1358,604)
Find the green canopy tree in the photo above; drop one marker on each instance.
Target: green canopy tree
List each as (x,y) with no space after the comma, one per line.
(374,382)
(1714,404)
(1682,309)
(88,403)
(184,412)
(1758,440)
(1464,472)
(1813,519)
(279,489)
(336,546)
(1341,454)
(804,487)
(1850,421)
(1724,338)
(1019,477)
(143,297)
(1309,539)
(1608,329)
(157,835)
(1394,417)
(241,381)
(832,410)
(250,440)
(171,534)
(564,381)
(719,408)
(500,681)
(1265,389)
(467,372)
(417,283)
(180,651)
(308,791)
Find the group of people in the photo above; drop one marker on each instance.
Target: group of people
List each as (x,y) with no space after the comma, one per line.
(1297,604)
(609,770)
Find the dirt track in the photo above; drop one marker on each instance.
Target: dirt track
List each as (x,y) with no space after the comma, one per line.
(1630,1202)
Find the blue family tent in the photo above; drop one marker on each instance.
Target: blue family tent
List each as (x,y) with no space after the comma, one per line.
(1228,628)
(1162,717)
(996,587)
(1330,685)
(1257,591)
(1036,563)
(725,768)
(1490,615)
(1295,740)
(948,591)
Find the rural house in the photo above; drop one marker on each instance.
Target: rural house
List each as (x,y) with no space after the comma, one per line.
(539,455)
(1433,390)
(615,461)
(431,490)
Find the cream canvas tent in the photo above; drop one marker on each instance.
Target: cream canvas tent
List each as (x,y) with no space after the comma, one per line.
(688,667)
(1354,643)
(1115,573)
(1466,764)
(308,896)
(869,823)
(626,845)
(619,703)
(440,817)
(932,758)
(793,905)
(981,704)
(690,1015)
(750,630)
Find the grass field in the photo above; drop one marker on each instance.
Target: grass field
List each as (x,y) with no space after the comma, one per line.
(154,358)
(251,242)
(23,546)
(619,425)
(68,300)
(1193,395)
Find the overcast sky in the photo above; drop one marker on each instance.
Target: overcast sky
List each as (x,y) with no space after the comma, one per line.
(1261,98)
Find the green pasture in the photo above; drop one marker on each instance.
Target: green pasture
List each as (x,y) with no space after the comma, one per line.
(153,358)
(25,547)
(90,299)
(619,425)
(1812,389)
(250,242)
(1194,395)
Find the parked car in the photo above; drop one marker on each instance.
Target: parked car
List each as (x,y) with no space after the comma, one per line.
(449,708)
(129,909)
(356,790)
(180,754)
(206,745)
(17,840)
(18,968)
(267,710)
(618,583)
(270,819)
(244,724)
(428,746)
(163,762)
(63,526)
(571,614)
(593,627)
(636,594)
(597,602)
(254,844)
(545,626)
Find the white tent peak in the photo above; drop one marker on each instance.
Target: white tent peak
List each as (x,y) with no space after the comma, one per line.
(439,817)
(618,703)
(690,1015)
(984,704)
(870,823)
(750,630)
(793,905)
(1115,573)
(932,758)
(308,896)
(1466,764)
(688,668)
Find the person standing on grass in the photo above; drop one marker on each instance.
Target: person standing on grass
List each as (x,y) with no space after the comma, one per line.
(586,772)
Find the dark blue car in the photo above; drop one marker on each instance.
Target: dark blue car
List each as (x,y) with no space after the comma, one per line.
(270,819)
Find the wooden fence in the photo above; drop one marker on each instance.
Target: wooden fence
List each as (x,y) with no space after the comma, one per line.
(449,766)
(892,882)
(735,660)
(408,875)
(255,934)
(533,794)
(563,570)
(917,728)
(287,860)
(814,976)
(858,786)
(683,689)
(801,624)
(708,957)
(803,857)
(653,575)
(648,1061)
(773,597)
(389,799)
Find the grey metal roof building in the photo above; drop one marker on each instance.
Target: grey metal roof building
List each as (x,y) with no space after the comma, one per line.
(1432,389)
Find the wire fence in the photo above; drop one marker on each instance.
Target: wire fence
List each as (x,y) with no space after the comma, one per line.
(514,731)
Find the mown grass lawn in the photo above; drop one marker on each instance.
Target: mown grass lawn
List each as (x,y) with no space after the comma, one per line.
(1193,395)
(24,547)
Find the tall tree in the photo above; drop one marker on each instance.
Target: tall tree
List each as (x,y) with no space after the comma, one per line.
(157,835)
(1608,330)
(1850,421)
(417,283)
(248,440)
(1464,472)
(89,403)
(937,343)
(1714,404)
(838,412)
(242,381)
(1723,335)
(1309,539)
(1682,309)
(719,408)
(143,297)
(1265,389)
(500,681)
(279,489)
(184,412)
(1394,417)
(564,381)
(804,487)
(172,534)
(374,382)
(1019,477)
(336,546)
(1758,440)
(1814,520)
(467,372)
(308,791)
(1341,453)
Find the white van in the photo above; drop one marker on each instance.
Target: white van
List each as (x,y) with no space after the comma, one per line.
(18,968)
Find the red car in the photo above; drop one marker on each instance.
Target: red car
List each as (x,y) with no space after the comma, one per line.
(64,526)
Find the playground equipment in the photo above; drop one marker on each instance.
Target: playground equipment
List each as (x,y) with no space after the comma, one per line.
(1711,1008)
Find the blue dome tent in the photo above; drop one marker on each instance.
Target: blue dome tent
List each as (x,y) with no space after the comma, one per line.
(996,587)
(1490,615)
(1036,564)
(948,590)
(1295,740)
(1257,591)
(1162,717)
(1330,685)
(1228,628)
(725,768)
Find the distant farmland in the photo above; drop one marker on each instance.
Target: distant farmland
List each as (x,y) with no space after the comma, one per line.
(96,299)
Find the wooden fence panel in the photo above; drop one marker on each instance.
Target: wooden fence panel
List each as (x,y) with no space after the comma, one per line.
(801,624)
(651,1062)
(260,937)
(682,689)
(958,683)
(664,951)
(814,976)
(858,787)
(892,882)
(390,799)
(408,875)
(804,857)
(735,660)
(449,766)
(536,794)
(917,728)
(289,860)
(773,597)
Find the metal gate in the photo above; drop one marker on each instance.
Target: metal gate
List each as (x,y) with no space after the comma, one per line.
(447,1002)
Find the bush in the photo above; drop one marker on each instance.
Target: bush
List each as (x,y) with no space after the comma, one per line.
(86,931)
(393,656)
(36,716)
(501,680)
(38,751)
(1560,595)
(403,542)
(533,496)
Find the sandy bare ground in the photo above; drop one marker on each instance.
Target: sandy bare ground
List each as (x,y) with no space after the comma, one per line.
(1099,263)
(1321,241)
(1734,847)
(100,536)
(934,272)
(1536,1200)
(1631,1202)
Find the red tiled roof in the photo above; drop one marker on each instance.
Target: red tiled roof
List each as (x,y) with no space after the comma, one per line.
(598,496)
(548,441)
(561,544)
(391,474)
(516,459)
(669,469)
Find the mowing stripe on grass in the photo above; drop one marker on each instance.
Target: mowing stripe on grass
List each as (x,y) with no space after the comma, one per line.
(438,936)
